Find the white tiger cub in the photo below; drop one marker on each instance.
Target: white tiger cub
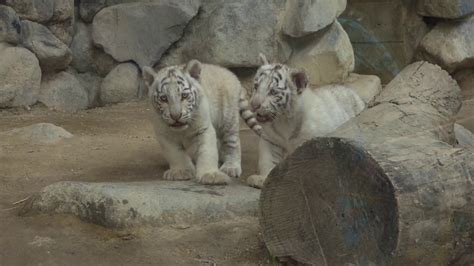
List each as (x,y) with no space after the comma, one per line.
(196,109)
(291,113)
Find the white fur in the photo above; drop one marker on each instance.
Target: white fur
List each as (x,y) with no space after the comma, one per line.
(313,113)
(193,151)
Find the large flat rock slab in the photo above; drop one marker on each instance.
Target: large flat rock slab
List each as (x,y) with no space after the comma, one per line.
(141,32)
(154,203)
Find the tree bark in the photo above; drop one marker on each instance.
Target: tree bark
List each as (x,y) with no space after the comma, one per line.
(386,188)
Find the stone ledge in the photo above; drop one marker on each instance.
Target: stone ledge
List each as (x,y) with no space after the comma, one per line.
(154,203)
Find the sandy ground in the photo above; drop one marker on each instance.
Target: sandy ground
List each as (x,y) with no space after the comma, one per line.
(114,143)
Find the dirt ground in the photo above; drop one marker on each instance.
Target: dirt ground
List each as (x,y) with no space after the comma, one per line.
(114,143)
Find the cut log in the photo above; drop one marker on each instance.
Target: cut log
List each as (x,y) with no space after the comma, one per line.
(381,190)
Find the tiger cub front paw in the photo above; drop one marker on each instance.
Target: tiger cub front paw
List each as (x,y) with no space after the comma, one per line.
(178,174)
(231,170)
(256,181)
(214,178)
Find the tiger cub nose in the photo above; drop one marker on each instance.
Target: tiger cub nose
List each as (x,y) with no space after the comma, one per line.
(176,116)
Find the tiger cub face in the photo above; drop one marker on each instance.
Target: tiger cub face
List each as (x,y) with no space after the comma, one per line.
(275,86)
(174,92)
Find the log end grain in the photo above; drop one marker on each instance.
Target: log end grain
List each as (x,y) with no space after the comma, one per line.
(330,203)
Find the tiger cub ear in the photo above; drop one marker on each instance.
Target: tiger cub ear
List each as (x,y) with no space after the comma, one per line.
(148,75)
(194,69)
(299,79)
(263,59)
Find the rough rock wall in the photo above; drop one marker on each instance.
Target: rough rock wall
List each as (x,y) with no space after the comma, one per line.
(389,34)
(71,55)
(384,35)
(450,44)
(61,52)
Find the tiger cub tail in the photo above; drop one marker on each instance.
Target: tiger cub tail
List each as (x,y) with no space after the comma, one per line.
(247,115)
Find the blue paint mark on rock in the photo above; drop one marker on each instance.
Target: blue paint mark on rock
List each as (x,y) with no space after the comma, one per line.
(374,55)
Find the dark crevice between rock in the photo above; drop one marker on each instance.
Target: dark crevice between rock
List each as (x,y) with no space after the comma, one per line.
(142,91)
(173,47)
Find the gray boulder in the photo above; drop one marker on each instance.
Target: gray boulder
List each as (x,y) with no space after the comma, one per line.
(157,203)
(10,26)
(366,86)
(63,92)
(91,83)
(41,133)
(87,57)
(283,50)
(465,117)
(51,52)
(64,31)
(230,33)
(450,44)
(121,84)
(326,55)
(20,77)
(63,10)
(412,32)
(384,35)
(43,10)
(141,32)
(62,22)
(445,8)
(82,49)
(117,2)
(303,17)
(464,137)
(465,79)
(34,10)
(88,9)
(103,62)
